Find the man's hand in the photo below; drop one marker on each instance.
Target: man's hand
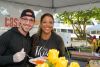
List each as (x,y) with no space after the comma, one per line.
(19,56)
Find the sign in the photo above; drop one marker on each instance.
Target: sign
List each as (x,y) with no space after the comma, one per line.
(11,22)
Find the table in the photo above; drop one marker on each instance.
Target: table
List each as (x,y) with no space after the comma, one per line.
(84,55)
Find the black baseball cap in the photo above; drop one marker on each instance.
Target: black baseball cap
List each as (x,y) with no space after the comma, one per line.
(28,12)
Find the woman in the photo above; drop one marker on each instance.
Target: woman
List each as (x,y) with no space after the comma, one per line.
(46,38)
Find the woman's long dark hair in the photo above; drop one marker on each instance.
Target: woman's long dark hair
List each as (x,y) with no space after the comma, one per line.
(38,34)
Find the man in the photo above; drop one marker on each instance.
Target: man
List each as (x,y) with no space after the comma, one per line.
(15,44)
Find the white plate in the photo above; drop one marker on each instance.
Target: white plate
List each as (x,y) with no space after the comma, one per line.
(39,59)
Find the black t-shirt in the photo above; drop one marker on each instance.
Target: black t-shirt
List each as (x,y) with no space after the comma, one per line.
(41,47)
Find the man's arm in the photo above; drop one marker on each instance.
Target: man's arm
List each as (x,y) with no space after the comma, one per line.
(3,47)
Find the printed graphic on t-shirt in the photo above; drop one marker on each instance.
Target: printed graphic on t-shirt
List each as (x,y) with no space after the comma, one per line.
(41,51)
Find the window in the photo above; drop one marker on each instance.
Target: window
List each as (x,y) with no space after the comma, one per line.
(57,30)
(93,32)
(63,30)
(98,32)
(70,31)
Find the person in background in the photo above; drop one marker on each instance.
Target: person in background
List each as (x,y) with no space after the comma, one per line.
(46,39)
(16,43)
(98,48)
(94,43)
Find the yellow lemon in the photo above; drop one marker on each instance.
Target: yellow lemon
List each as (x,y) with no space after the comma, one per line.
(62,62)
(74,64)
(53,55)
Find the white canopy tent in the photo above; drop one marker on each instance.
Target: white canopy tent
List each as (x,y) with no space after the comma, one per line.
(13,8)
(59,5)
